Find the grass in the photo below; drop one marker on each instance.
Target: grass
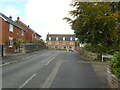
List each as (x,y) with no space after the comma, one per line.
(88,58)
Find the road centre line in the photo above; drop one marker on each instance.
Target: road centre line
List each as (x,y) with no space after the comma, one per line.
(27,81)
(51,59)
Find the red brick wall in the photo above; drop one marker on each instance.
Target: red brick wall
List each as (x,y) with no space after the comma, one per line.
(29,34)
(0,30)
(67,44)
(6,34)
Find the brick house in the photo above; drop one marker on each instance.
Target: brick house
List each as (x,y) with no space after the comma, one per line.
(10,31)
(31,35)
(61,41)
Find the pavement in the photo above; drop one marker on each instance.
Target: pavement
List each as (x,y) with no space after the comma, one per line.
(16,57)
(54,69)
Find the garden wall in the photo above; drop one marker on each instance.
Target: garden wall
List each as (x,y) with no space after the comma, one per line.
(113,81)
(32,47)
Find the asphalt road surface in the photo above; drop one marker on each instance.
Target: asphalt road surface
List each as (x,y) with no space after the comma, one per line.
(52,69)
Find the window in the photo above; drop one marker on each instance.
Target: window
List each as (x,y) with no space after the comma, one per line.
(64,47)
(35,36)
(71,43)
(49,43)
(70,38)
(22,33)
(11,28)
(10,43)
(63,38)
(63,43)
(55,47)
(56,38)
(56,43)
(49,38)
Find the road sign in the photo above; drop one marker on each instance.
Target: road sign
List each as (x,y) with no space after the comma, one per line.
(106,56)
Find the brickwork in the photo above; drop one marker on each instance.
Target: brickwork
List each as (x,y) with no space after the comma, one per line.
(16,34)
(13,30)
(61,41)
(60,45)
(30,35)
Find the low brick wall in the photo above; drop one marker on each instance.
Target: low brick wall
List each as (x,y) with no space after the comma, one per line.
(113,81)
(32,47)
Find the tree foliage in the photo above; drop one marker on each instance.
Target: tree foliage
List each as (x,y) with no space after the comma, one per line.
(116,64)
(96,22)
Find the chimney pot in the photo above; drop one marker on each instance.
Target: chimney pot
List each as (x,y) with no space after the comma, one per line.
(10,17)
(18,18)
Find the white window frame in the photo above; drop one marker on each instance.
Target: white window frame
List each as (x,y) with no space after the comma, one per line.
(56,43)
(63,43)
(57,38)
(71,43)
(49,38)
(35,36)
(49,43)
(10,27)
(22,33)
(10,42)
(63,38)
(71,38)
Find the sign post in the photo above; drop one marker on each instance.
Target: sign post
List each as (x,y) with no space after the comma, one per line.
(106,56)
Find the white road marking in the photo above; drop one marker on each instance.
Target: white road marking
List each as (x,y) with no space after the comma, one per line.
(51,59)
(27,81)
(1,65)
(49,81)
(5,64)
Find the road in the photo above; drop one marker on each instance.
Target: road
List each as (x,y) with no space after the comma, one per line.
(52,69)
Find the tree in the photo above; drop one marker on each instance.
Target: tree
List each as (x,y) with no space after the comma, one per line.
(96,23)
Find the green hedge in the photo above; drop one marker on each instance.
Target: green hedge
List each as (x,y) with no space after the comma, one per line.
(116,64)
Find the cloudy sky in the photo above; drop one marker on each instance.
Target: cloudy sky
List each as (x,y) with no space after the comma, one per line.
(43,16)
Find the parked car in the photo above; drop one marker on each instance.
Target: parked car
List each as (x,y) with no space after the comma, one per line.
(71,50)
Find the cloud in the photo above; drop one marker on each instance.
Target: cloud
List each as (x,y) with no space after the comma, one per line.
(43,16)
(47,16)
(10,11)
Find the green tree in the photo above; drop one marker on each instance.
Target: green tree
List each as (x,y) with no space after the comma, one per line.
(96,23)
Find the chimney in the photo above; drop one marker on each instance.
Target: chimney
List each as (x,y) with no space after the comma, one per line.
(28,26)
(10,17)
(18,18)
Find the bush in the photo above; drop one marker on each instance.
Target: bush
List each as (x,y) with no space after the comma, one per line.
(116,64)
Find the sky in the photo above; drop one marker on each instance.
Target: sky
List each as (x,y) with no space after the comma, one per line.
(43,16)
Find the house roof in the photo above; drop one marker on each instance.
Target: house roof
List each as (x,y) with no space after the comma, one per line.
(28,27)
(60,37)
(9,20)
(61,34)
(38,35)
